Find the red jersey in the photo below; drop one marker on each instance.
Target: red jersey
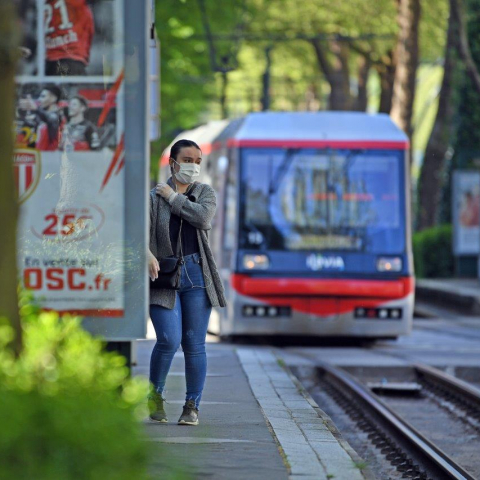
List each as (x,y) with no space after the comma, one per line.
(44,142)
(48,130)
(69,30)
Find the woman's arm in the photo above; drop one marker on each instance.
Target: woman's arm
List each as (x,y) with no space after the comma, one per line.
(199,213)
(152,262)
(152,214)
(153,265)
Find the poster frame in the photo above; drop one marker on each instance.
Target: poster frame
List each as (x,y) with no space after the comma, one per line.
(457,175)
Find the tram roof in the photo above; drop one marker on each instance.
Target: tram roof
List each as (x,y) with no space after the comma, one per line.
(204,135)
(317,129)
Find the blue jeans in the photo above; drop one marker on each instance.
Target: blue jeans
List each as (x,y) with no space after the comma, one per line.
(187,325)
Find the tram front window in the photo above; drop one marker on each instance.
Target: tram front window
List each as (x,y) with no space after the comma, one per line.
(323,200)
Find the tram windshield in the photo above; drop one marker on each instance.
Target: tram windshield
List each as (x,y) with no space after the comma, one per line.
(306,199)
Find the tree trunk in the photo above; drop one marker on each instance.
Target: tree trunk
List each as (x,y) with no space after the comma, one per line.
(337,73)
(407,62)
(266,80)
(386,72)
(223,96)
(8,198)
(361,100)
(430,181)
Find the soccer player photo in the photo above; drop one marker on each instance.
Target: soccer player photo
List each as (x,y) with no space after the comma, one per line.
(79,133)
(38,120)
(69,31)
(66,117)
(79,38)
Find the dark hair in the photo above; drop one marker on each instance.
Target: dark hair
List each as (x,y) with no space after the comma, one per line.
(54,90)
(81,99)
(177,146)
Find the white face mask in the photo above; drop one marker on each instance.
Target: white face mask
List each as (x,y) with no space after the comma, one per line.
(188,172)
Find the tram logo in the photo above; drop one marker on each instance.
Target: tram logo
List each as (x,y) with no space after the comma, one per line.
(316,262)
(27,167)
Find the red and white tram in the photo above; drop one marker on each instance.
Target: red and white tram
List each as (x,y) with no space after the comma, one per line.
(312,232)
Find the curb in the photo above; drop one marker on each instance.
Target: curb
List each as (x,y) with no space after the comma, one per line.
(367,473)
(433,292)
(312,449)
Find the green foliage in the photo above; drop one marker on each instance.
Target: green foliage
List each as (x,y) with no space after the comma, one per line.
(468,135)
(188,83)
(433,31)
(191,91)
(432,252)
(69,410)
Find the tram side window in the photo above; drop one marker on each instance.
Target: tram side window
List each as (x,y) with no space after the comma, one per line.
(230,211)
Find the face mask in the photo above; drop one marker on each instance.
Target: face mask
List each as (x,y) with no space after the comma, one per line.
(188,172)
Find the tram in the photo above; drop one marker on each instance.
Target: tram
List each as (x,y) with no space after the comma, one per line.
(312,231)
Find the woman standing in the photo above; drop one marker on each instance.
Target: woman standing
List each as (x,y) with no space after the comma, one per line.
(182,210)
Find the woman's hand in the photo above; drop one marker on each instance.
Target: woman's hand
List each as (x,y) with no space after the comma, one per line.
(164,190)
(153,266)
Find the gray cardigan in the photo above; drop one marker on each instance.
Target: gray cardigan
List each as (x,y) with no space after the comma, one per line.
(198,213)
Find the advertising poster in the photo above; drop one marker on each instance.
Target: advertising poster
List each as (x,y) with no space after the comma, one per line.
(69,156)
(466,212)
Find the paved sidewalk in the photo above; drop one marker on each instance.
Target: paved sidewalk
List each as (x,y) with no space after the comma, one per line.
(254,423)
(301,428)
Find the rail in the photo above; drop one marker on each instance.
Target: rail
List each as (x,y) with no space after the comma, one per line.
(424,458)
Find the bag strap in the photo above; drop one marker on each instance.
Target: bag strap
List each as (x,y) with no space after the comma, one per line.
(179,252)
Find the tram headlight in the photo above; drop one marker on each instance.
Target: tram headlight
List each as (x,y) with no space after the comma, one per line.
(269,311)
(383,313)
(256,262)
(396,313)
(389,264)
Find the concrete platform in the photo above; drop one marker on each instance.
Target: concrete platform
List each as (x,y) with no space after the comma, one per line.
(461,295)
(256,422)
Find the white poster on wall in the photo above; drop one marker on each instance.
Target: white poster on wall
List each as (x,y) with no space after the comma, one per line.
(466,212)
(69,156)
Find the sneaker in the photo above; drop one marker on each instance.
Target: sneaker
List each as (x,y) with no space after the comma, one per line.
(156,408)
(189,415)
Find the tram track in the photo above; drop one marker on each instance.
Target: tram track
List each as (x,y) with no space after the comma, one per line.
(455,395)
(408,450)
(404,446)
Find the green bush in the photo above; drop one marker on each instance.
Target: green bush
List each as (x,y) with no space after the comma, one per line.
(432,252)
(69,409)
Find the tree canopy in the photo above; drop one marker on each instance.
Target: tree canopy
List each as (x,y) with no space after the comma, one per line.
(312,48)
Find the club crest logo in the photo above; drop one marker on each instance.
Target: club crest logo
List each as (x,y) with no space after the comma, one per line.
(27,168)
